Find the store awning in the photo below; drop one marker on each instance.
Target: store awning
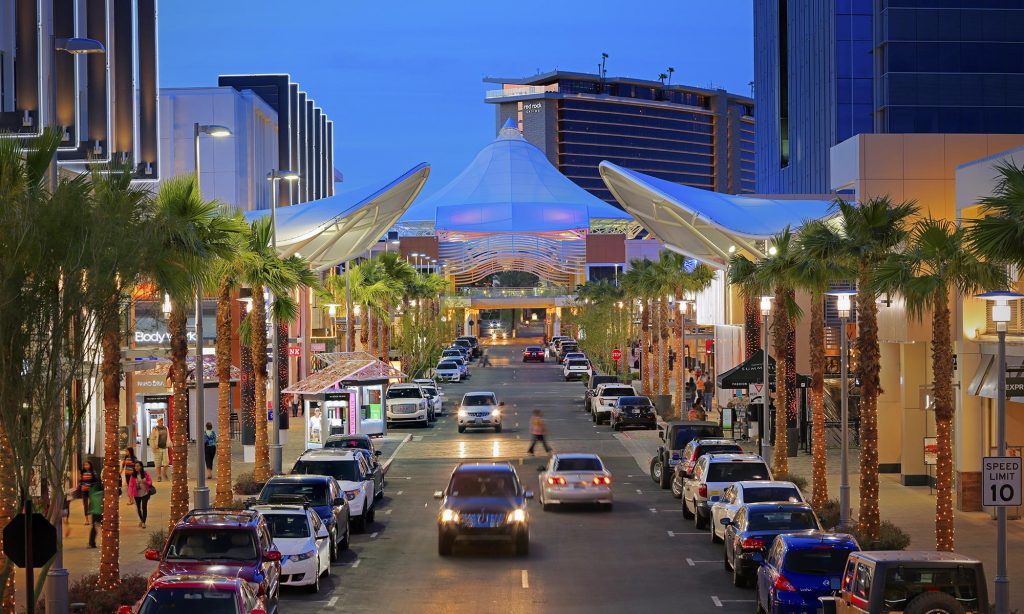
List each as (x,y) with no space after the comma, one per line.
(750,372)
(985,382)
(160,368)
(344,367)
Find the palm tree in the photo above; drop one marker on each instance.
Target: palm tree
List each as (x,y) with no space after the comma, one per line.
(936,261)
(194,235)
(741,271)
(996,235)
(639,282)
(670,70)
(682,282)
(862,239)
(399,275)
(661,77)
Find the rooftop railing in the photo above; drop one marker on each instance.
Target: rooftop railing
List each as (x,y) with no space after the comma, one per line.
(499,292)
(526,90)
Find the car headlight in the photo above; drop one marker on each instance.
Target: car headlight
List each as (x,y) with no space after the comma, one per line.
(462,413)
(449,516)
(517,516)
(351,494)
(302,556)
(496,413)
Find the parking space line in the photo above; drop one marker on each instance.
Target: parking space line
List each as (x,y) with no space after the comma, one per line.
(692,562)
(639,492)
(715,600)
(653,510)
(526,579)
(332,601)
(388,512)
(355,563)
(399,492)
(373,535)
(671,534)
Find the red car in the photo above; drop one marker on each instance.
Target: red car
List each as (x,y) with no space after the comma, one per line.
(207,594)
(533,352)
(222,542)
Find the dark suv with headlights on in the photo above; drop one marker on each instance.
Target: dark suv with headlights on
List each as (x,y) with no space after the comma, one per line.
(483,501)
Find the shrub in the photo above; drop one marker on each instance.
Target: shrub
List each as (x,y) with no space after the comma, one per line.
(246,484)
(157,539)
(890,537)
(127,592)
(828,514)
(800,481)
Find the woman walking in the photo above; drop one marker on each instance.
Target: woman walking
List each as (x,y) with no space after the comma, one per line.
(95,502)
(140,488)
(210,448)
(127,468)
(537,431)
(87,480)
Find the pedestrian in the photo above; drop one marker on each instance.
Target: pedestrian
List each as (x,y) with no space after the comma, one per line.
(691,391)
(87,479)
(538,430)
(697,410)
(295,406)
(95,499)
(159,442)
(485,360)
(210,448)
(128,461)
(709,391)
(140,488)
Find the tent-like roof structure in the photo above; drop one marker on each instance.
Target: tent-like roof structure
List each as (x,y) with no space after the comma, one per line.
(331,230)
(704,224)
(161,369)
(512,187)
(343,367)
(751,371)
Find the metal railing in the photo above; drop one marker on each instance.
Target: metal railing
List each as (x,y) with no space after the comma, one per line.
(525,90)
(546,291)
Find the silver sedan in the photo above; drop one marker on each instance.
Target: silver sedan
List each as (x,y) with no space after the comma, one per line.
(575,478)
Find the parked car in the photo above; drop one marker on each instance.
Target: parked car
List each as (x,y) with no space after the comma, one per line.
(453,353)
(590,387)
(198,593)
(633,411)
(474,344)
(303,542)
(713,474)
(674,437)
(479,410)
(406,403)
(753,529)
(463,365)
(801,567)
(483,501)
(604,399)
(576,368)
(749,491)
(448,371)
(693,451)
(323,495)
(575,478)
(533,353)
(911,581)
(566,347)
(571,355)
(466,343)
(232,543)
(553,344)
(353,474)
(434,395)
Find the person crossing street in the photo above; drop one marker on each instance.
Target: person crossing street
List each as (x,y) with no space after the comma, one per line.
(538,430)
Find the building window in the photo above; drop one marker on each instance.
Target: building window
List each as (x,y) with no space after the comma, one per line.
(783,78)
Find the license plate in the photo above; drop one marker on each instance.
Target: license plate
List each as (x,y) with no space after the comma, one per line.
(478,421)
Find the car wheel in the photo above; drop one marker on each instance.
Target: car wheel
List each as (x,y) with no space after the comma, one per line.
(523,544)
(666,479)
(327,571)
(380,493)
(497,429)
(607,507)
(547,507)
(343,545)
(333,545)
(933,602)
(725,559)
(462,429)
(738,579)
(359,523)
(700,522)
(677,491)
(615,427)
(656,469)
(758,607)
(714,536)
(686,510)
(315,586)
(444,545)
(370,512)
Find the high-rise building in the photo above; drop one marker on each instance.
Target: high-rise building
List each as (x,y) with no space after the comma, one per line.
(825,71)
(689,135)
(105,102)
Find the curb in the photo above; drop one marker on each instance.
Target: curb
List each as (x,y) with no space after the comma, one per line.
(386,465)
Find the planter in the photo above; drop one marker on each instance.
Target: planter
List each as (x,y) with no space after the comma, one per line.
(793,441)
(663,406)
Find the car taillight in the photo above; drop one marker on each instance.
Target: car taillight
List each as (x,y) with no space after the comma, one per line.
(556,480)
(782,584)
(702,490)
(752,543)
(602,480)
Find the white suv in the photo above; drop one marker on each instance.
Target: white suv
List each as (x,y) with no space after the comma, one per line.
(408,403)
(448,370)
(712,475)
(480,410)
(354,476)
(434,394)
(603,401)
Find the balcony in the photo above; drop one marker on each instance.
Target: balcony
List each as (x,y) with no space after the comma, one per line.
(525,90)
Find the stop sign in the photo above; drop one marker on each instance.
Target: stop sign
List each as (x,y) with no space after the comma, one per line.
(44,540)
(616,354)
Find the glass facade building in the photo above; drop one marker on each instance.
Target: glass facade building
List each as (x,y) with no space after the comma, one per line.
(696,137)
(827,71)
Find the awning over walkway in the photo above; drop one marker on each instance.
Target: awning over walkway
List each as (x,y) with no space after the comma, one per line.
(331,230)
(344,368)
(750,372)
(985,382)
(703,224)
(161,368)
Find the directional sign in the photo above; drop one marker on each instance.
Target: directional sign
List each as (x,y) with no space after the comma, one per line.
(1014,387)
(1000,481)
(44,540)
(616,354)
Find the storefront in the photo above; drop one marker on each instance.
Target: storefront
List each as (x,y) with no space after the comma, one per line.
(346,396)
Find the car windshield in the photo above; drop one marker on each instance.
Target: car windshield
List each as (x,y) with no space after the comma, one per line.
(483,484)
(533,349)
(349,443)
(478,399)
(347,470)
(462,342)
(451,353)
(781,520)
(176,599)
(763,494)
(909,580)
(286,526)
(729,471)
(315,493)
(404,393)
(430,391)
(211,544)
(618,391)
(578,464)
(820,560)
(577,363)
(688,433)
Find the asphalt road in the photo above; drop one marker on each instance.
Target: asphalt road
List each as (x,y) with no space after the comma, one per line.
(641,557)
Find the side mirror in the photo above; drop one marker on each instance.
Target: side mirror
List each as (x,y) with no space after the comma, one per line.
(322,533)
(438,494)
(725,522)
(273,555)
(337,501)
(378,453)
(125,609)
(152,555)
(528,494)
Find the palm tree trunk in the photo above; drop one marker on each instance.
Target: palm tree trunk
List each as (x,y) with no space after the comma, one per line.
(780,339)
(259,367)
(868,361)
(655,347)
(819,483)
(8,510)
(663,315)
(179,423)
(385,329)
(350,328)
(680,359)
(751,326)
(364,329)
(942,374)
(110,569)
(645,355)
(224,495)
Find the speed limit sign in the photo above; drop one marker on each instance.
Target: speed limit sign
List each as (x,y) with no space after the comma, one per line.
(1001,481)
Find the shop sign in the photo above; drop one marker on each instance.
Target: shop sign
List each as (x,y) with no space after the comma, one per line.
(931,451)
(1014,387)
(317,347)
(295,350)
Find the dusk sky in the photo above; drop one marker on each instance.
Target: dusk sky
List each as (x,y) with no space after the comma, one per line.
(403,80)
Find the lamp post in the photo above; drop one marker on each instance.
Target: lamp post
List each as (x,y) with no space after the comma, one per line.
(274,176)
(843,305)
(201,494)
(1001,315)
(766,310)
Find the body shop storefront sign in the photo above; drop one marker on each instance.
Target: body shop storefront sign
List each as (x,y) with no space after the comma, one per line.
(150,328)
(158,338)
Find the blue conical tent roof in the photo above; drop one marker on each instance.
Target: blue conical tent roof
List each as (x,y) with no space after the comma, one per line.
(510,186)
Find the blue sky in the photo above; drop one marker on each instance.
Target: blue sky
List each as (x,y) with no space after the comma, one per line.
(402,80)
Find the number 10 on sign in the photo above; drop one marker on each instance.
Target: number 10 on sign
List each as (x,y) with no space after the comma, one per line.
(1001,481)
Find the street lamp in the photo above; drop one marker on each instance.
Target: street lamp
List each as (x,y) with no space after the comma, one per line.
(766,310)
(843,305)
(1001,315)
(274,176)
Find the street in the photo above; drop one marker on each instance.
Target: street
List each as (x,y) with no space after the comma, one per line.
(641,557)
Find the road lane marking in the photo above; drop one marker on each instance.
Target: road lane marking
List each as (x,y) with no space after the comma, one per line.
(388,512)
(374,536)
(653,510)
(718,602)
(332,601)
(671,534)
(526,579)
(692,562)
(639,492)
(715,600)
(356,562)
(399,492)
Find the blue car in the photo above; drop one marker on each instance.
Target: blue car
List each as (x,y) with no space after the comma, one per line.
(322,494)
(749,533)
(798,568)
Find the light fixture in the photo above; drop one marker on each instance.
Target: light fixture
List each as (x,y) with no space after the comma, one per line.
(166,307)
(773,250)
(279,174)
(1001,312)
(214,130)
(732,249)
(78,46)
(332,310)
(766,305)
(355,309)
(843,303)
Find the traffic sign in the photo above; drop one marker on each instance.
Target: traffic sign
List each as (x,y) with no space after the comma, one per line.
(1001,481)
(1014,387)
(44,540)
(616,354)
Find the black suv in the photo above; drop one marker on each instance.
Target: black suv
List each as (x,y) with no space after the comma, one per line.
(474,345)
(675,436)
(635,411)
(483,501)
(693,451)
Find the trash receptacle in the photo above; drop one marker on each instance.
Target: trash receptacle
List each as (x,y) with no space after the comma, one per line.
(282,417)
